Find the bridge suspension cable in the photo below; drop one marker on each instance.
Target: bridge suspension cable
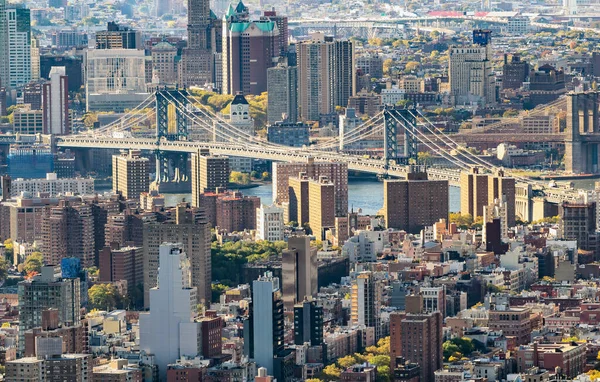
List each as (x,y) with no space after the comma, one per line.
(477,161)
(223,123)
(422,137)
(126,118)
(358,131)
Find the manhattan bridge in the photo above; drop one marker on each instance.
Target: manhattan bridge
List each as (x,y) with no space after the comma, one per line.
(175,110)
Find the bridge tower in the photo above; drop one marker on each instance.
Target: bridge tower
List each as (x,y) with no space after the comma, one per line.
(582,134)
(171,124)
(396,117)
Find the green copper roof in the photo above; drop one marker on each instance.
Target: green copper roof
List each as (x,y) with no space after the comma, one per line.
(240,7)
(212,15)
(230,11)
(265,26)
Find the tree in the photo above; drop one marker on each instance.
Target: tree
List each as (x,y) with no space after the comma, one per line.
(239,178)
(346,362)
(462,221)
(411,66)
(217,290)
(266,175)
(331,373)
(510,113)
(4,265)
(387,66)
(34,262)
(424,157)
(103,296)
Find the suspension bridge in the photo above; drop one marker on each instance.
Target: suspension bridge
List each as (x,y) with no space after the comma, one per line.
(174,111)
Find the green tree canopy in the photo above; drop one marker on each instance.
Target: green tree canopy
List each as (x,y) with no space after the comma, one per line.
(34,262)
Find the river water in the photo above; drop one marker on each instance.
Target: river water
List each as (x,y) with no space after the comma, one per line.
(364,194)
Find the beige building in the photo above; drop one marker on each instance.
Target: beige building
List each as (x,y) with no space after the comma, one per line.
(336,172)
(470,72)
(209,172)
(164,67)
(321,205)
(28,121)
(130,174)
(412,84)
(326,77)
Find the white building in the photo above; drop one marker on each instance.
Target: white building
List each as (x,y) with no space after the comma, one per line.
(348,122)
(19,46)
(168,330)
(518,25)
(53,186)
(392,96)
(55,101)
(242,124)
(365,245)
(269,223)
(116,79)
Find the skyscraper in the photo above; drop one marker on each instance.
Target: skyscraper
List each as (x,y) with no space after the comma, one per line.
(470,71)
(282,90)
(118,37)
(420,342)
(196,65)
(18,25)
(308,323)
(414,203)
(325,75)
(299,271)
(189,227)
(44,291)
(269,223)
(130,174)
(169,331)
(366,297)
(473,192)
(267,322)
(502,187)
(4,76)
(209,172)
(334,171)
(55,102)
(248,51)
(68,231)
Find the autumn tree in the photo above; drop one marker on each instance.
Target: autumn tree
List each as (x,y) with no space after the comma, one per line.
(34,262)
(103,296)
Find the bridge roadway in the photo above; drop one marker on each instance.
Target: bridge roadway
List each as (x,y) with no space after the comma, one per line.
(233,149)
(356,163)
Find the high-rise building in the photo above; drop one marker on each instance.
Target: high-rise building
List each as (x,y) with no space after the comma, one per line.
(414,203)
(249,49)
(325,75)
(115,79)
(130,174)
(68,231)
(282,93)
(289,134)
(546,84)
(470,71)
(578,222)
(4,73)
(473,192)
(269,223)
(420,340)
(514,72)
(312,201)
(299,271)
(365,301)
(281,45)
(209,173)
(18,29)
(118,37)
(29,160)
(267,313)
(230,210)
(45,291)
(35,59)
(27,120)
(172,311)
(308,323)
(189,227)
(334,171)
(55,103)
(197,59)
(321,205)
(164,64)
(126,263)
(502,188)
(32,94)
